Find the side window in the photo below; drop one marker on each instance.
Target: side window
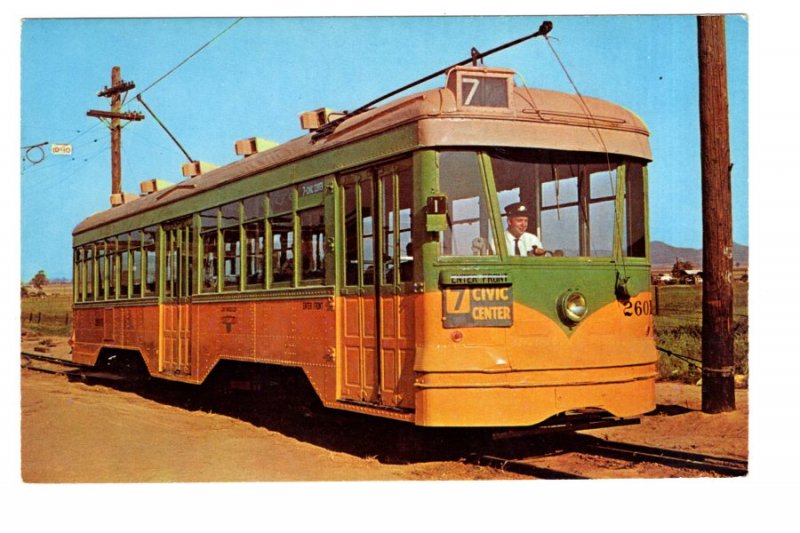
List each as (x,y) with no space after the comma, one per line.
(396,202)
(232,247)
(255,241)
(281,203)
(351,234)
(208,236)
(89,255)
(634,208)
(282,248)
(124,265)
(136,263)
(150,263)
(77,275)
(113,254)
(469,230)
(100,252)
(312,243)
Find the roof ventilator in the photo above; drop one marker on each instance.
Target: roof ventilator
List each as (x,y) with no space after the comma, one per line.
(195,168)
(253,145)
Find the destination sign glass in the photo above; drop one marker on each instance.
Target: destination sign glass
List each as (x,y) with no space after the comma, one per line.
(484,91)
(470,307)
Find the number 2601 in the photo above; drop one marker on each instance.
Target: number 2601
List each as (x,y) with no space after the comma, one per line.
(639,308)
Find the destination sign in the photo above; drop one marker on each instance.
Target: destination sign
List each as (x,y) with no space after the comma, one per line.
(470,307)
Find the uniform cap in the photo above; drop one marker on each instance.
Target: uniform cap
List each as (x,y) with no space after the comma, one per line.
(517,210)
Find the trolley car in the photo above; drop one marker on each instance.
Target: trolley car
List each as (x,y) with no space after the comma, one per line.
(371,254)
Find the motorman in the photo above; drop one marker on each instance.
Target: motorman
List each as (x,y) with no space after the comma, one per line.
(518,240)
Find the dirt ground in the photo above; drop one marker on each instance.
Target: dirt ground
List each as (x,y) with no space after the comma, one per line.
(74,432)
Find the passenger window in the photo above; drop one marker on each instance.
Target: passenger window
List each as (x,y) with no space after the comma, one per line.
(77,274)
(282,248)
(124,265)
(232,246)
(89,255)
(233,254)
(312,243)
(136,263)
(113,253)
(254,241)
(208,236)
(151,265)
(100,251)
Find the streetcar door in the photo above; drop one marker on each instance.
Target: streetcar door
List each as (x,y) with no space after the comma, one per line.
(396,288)
(178,253)
(377,332)
(359,332)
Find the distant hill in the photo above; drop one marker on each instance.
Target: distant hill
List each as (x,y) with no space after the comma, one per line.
(663,255)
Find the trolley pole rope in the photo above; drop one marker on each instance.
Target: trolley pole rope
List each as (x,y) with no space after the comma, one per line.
(543,30)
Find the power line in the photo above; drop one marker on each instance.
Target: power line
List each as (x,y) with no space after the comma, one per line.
(179,65)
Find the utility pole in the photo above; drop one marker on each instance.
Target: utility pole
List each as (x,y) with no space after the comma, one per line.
(717,345)
(118,86)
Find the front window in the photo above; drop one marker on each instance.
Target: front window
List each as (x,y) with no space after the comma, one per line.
(570,201)
(468,224)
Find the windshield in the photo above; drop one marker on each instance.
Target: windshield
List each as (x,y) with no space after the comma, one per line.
(549,203)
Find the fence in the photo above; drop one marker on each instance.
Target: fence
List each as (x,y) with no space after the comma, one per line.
(45,318)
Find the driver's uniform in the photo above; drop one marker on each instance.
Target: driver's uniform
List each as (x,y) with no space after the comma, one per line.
(522,246)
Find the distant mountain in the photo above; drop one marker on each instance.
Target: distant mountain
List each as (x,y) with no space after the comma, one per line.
(663,255)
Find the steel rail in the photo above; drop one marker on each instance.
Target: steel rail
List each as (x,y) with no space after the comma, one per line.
(728,466)
(69,366)
(48,359)
(519,467)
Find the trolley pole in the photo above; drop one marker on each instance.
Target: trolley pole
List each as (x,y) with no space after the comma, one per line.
(717,344)
(116,115)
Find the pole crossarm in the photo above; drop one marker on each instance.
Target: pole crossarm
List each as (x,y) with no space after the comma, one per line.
(121,87)
(131,115)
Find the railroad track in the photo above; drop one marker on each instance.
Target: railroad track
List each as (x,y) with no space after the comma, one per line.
(52,365)
(55,365)
(633,453)
(578,443)
(520,467)
(726,466)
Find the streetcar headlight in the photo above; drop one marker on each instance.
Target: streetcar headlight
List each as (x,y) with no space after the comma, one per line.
(572,307)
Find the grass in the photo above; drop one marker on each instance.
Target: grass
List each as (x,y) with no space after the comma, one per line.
(51,314)
(679,329)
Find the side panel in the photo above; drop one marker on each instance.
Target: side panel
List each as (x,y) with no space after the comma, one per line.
(360,345)
(397,350)
(134,328)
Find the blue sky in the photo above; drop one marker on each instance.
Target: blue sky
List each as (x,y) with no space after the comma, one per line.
(257,77)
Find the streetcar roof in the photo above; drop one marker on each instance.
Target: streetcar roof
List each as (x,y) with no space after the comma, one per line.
(535,118)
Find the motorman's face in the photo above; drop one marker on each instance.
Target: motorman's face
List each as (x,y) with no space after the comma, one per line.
(517,225)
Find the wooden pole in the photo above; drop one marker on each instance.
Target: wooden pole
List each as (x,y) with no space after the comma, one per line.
(116,115)
(116,135)
(717,345)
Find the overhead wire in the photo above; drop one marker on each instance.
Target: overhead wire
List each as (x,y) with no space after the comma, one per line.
(50,180)
(33,167)
(176,67)
(588,111)
(138,95)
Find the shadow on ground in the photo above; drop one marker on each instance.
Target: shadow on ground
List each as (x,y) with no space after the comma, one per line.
(280,399)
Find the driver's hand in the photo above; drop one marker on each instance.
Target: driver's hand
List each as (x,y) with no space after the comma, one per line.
(538,251)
